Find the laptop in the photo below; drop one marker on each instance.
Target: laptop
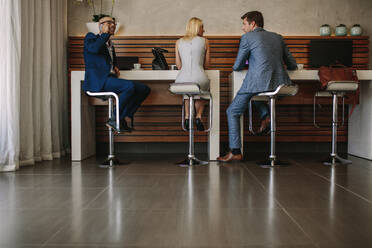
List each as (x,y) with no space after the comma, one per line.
(126,63)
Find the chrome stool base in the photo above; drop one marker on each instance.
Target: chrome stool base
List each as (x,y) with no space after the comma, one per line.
(336,160)
(335,89)
(192,162)
(191,90)
(273,163)
(111,162)
(281,90)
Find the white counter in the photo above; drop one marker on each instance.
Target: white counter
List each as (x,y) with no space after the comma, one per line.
(83,137)
(360,122)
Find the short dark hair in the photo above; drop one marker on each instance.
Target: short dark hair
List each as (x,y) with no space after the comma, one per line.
(97,18)
(255,16)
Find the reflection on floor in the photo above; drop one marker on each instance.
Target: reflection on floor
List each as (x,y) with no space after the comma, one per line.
(153,203)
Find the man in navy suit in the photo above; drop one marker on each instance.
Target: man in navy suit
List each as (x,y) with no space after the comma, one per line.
(266,53)
(102,74)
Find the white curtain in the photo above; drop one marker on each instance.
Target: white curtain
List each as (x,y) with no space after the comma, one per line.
(41,132)
(43,118)
(10,54)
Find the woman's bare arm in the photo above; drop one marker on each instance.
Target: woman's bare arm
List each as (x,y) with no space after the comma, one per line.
(207,55)
(178,59)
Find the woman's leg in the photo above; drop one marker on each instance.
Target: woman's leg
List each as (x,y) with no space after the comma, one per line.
(200,105)
(187,108)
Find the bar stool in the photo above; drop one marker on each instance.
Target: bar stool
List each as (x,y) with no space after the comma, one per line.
(110,96)
(191,90)
(335,89)
(281,90)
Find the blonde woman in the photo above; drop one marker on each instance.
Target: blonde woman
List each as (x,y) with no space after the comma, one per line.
(192,57)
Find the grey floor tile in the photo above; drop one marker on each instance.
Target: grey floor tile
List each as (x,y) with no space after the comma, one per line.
(44,198)
(29,227)
(315,165)
(140,228)
(161,167)
(78,181)
(153,203)
(234,227)
(148,180)
(292,169)
(337,227)
(358,184)
(139,198)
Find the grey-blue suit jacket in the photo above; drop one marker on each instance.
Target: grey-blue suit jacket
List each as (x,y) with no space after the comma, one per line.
(266,53)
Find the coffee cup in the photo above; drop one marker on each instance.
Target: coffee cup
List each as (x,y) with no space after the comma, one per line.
(137,66)
(173,67)
(300,66)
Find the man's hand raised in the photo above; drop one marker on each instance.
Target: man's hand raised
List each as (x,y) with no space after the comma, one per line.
(105,28)
(117,71)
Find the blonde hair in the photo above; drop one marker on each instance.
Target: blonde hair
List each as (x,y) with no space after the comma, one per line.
(192,28)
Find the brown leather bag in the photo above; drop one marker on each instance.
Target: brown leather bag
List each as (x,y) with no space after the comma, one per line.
(339,73)
(336,73)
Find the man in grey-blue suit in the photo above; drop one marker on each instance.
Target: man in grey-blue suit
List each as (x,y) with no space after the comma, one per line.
(266,53)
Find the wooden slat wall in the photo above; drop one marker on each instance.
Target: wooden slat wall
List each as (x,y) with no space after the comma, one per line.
(162,123)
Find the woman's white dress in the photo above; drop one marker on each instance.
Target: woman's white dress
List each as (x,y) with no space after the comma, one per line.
(192,53)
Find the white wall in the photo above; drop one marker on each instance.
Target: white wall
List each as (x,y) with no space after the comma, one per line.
(222,17)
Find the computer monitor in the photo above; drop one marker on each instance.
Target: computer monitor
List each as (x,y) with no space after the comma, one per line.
(126,63)
(332,51)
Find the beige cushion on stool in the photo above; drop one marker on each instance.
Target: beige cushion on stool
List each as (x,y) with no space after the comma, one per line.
(342,86)
(185,88)
(281,90)
(328,94)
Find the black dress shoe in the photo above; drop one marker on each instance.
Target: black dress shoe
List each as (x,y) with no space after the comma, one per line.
(124,126)
(199,125)
(186,124)
(112,124)
(132,123)
(264,131)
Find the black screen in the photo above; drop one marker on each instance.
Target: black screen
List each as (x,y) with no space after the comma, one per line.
(126,63)
(327,52)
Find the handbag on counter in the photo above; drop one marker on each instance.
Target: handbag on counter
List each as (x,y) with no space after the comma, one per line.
(338,72)
(159,62)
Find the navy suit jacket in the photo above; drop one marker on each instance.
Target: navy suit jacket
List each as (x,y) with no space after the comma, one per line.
(97,61)
(266,53)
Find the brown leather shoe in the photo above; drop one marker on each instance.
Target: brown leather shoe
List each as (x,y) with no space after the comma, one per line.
(230,157)
(265,126)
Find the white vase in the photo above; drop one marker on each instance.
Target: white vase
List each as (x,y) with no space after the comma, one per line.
(356,30)
(325,30)
(93,27)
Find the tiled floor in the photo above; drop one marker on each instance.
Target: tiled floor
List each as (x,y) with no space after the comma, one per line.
(153,203)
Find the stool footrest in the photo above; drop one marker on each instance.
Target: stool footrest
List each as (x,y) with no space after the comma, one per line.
(191,162)
(335,160)
(273,163)
(112,162)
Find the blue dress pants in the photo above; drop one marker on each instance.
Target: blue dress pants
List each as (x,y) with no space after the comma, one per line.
(237,107)
(131,94)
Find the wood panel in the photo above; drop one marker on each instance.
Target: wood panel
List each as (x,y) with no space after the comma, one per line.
(162,123)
